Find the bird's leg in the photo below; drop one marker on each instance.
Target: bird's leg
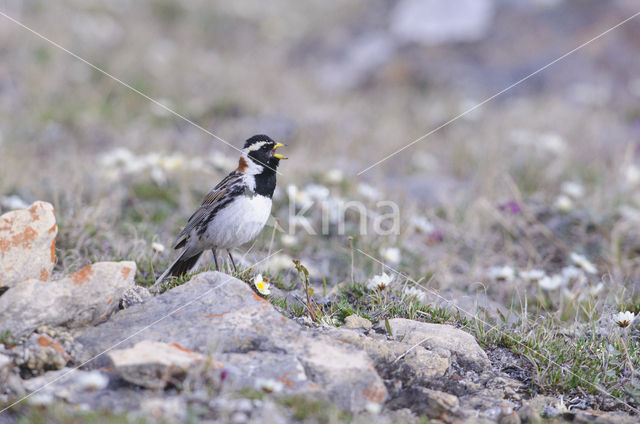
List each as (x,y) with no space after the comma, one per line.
(232,262)
(215,258)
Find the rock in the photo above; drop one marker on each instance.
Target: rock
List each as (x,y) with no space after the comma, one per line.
(27,244)
(42,353)
(153,364)
(10,382)
(508,416)
(91,381)
(133,296)
(433,403)
(460,343)
(528,415)
(173,409)
(6,365)
(356,322)
(70,384)
(220,315)
(433,22)
(359,61)
(397,360)
(84,298)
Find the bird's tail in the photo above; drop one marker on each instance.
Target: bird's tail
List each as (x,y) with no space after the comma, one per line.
(180,266)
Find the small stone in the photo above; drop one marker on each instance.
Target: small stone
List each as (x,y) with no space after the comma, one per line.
(529,415)
(41,353)
(41,399)
(6,364)
(356,322)
(91,381)
(27,244)
(133,296)
(153,364)
(239,417)
(508,416)
(162,409)
(460,343)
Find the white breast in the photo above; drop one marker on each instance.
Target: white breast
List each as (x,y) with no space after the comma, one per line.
(238,223)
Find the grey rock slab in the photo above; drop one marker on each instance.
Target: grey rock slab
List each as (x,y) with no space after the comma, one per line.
(83,298)
(27,244)
(460,343)
(218,314)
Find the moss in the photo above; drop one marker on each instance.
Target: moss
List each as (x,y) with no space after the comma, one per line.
(307,408)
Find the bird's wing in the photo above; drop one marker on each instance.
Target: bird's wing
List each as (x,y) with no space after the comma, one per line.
(225,189)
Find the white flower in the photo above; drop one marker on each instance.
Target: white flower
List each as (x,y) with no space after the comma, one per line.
(368,191)
(422,224)
(288,240)
(563,203)
(632,174)
(624,319)
(158,176)
(157,247)
(391,255)
(415,292)
(173,162)
(533,275)
(502,273)
(568,294)
(262,285)
(300,197)
(551,283)
(316,191)
(269,385)
(572,189)
(222,162)
(572,274)
(278,262)
(583,262)
(553,143)
(334,208)
(334,176)
(379,282)
(118,156)
(596,290)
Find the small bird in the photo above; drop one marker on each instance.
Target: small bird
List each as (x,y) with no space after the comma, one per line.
(235,211)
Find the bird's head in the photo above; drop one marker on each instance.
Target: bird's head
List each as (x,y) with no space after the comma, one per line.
(260,150)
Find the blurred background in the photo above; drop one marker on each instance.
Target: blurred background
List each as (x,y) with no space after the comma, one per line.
(544,170)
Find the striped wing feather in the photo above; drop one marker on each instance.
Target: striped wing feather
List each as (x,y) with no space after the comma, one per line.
(224,188)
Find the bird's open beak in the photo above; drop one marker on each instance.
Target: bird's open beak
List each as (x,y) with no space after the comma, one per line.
(278,155)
